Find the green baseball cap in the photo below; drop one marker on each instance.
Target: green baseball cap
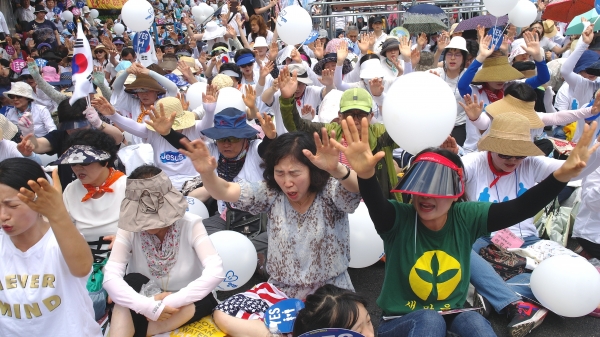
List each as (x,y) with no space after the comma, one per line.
(356,98)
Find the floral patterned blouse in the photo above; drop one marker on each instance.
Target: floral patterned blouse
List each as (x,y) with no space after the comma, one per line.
(305,250)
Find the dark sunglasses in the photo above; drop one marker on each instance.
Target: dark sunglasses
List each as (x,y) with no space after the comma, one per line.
(503,156)
(83,164)
(247,65)
(15,97)
(229,139)
(355,114)
(98,51)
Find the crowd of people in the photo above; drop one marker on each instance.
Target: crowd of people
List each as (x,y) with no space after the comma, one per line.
(285,143)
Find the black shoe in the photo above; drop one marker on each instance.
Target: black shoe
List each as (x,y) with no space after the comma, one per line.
(524,317)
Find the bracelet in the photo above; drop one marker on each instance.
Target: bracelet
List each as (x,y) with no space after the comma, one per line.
(347,174)
(102,126)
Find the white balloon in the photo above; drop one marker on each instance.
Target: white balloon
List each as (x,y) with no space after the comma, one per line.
(94,13)
(200,18)
(118,28)
(499,7)
(214,6)
(206,9)
(197,207)
(138,15)
(414,120)
(67,16)
(523,14)
(294,25)
(186,8)
(366,247)
(196,10)
(569,286)
(194,94)
(230,98)
(239,258)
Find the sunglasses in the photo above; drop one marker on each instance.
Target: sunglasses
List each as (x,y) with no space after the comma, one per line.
(232,140)
(98,51)
(247,65)
(15,97)
(83,164)
(355,115)
(503,156)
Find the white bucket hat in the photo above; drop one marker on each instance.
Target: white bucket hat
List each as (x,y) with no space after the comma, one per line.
(260,42)
(285,53)
(301,73)
(213,31)
(371,69)
(20,89)
(458,42)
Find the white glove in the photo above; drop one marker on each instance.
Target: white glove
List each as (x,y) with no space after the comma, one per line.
(92,116)
(25,124)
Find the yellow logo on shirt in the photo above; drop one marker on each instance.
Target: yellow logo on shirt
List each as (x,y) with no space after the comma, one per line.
(435,275)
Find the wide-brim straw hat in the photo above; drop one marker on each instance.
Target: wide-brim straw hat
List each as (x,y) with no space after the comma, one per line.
(20,89)
(509,135)
(151,203)
(143,81)
(496,69)
(190,63)
(512,104)
(183,119)
(7,129)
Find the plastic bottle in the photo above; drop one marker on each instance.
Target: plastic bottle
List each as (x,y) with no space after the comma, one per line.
(274,331)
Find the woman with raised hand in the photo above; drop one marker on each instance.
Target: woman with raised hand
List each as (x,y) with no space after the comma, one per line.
(306,194)
(45,261)
(428,243)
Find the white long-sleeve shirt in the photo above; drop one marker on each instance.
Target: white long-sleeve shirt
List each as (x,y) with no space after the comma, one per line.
(587,223)
(3,25)
(42,120)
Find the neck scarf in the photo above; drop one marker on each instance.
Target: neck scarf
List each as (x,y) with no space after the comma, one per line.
(113,176)
(161,256)
(228,169)
(493,97)
(497,173)
(391,65)
(143,114)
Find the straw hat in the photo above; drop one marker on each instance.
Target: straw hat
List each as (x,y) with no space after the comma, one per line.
(183,119)
(549,29)
(7,129)
(144,82)
(509,135)
(20,89)
(510,103)
(190,63)
(496,69)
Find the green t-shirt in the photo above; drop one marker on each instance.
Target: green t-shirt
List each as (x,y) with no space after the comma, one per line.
(433,273)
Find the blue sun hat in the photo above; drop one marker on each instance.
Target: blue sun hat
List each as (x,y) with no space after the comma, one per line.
(230,122)
(177,80)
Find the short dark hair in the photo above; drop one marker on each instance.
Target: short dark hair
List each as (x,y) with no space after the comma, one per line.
(127,51)
(329,307)
(521,91)
(241,52)
(291,144)
(233,67)
(96,139)
(16,172)
(68,112)
(368,57)
(473,47)
(145,172)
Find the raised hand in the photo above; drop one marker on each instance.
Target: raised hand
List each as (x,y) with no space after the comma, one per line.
(92,117)
(443,40)
(103,106)
(376,85)
(287,83)
(422,40)
(480,33)
(342,53)
(415,56)
(588,32)
(473,107)
(184,104)
(211,94)
(44,198)
(308,111)
(295,56)
(266,69)
(249,97)
(267,125)
(319,49)
(358,152)
(25,147)
(328,156)
(160,121)
(202,58)
(198,153)
(327,78)
(485,50)
(450,145)
(231,31)
(578,158)
(363,43)
(159,54)
(532,42)
(273,49)
(25,123)
(405,49)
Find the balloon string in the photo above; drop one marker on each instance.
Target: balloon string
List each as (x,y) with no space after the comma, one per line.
(595,21)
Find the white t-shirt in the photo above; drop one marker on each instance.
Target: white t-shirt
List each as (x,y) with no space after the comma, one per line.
(378,42)
(461,116)
(531,171)
(312,97)
(42,121)
(587,223)
(232,21)
(269,37)
(95,218)
(41,296)
(8,149)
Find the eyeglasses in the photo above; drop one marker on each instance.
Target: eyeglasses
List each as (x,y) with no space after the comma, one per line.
(454,55)
(247,65)
(15,97)
(82,164)
(231,140)
(98,51)
(355,114)
(503,156)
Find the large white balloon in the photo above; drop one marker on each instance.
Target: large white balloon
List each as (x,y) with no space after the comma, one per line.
(366,247)
(196,10)
(294,25)
(230,98)
(94,13)
(197,207)
(523,14)
(206,9)
(67,16)
(214,6)
(138,15)
(414,119)
(569,286)
(499,7)
(118,28)
(239,258)
(194,94)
